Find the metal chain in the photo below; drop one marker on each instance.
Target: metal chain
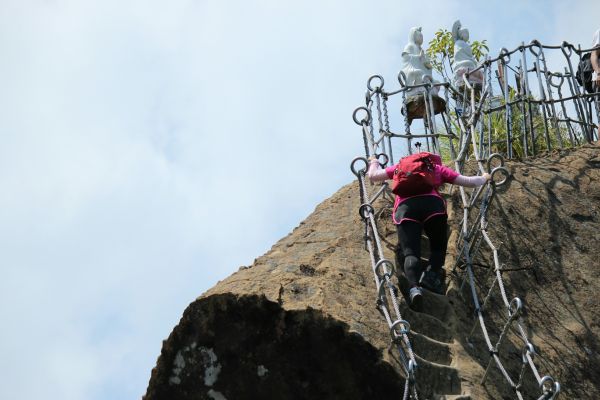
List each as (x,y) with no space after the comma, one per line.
(382,133)
(383,271)
(387,128)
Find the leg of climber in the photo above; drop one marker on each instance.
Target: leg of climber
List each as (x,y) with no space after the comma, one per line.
(409,237)
(436,229)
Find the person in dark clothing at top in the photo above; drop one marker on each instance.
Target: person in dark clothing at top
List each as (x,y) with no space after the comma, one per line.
(595,59)
(427,212)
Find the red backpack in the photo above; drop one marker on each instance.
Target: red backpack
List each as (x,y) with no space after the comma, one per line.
(415,174)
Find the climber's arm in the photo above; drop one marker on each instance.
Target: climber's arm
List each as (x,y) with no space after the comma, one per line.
(471,181)
(375,172)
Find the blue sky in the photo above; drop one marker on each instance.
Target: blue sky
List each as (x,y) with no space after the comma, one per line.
(149,149)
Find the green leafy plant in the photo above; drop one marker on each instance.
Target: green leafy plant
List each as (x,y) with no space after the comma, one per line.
(441,51)
(494,125)
(522,120)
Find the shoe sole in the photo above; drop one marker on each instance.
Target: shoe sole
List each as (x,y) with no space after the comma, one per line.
(417,303)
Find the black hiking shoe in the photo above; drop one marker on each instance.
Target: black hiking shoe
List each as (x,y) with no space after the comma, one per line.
(432,281)
(416,298)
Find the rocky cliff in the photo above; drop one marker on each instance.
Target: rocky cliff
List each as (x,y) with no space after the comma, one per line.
(301,321)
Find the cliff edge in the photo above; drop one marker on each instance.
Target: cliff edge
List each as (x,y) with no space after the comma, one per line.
(301,321)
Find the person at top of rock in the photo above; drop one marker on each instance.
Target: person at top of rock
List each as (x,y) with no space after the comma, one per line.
(463,55)
(426,211)
(415,63)
(595,58)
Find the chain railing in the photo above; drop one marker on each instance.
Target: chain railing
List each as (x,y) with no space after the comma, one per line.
(541,109)
(471,123)
(383,271)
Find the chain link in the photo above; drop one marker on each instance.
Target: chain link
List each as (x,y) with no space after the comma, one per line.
(382,277)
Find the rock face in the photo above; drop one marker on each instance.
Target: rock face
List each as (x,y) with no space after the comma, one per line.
(548,224)
(243,347)
(301,322)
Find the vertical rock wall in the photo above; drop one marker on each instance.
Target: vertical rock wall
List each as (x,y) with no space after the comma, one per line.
(301,322)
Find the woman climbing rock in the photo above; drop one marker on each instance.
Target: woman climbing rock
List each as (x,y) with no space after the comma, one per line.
(419,206)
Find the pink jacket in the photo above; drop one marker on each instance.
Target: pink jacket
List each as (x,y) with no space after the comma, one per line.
(443,175)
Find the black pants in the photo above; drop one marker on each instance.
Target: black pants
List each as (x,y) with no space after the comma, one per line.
(409,235)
